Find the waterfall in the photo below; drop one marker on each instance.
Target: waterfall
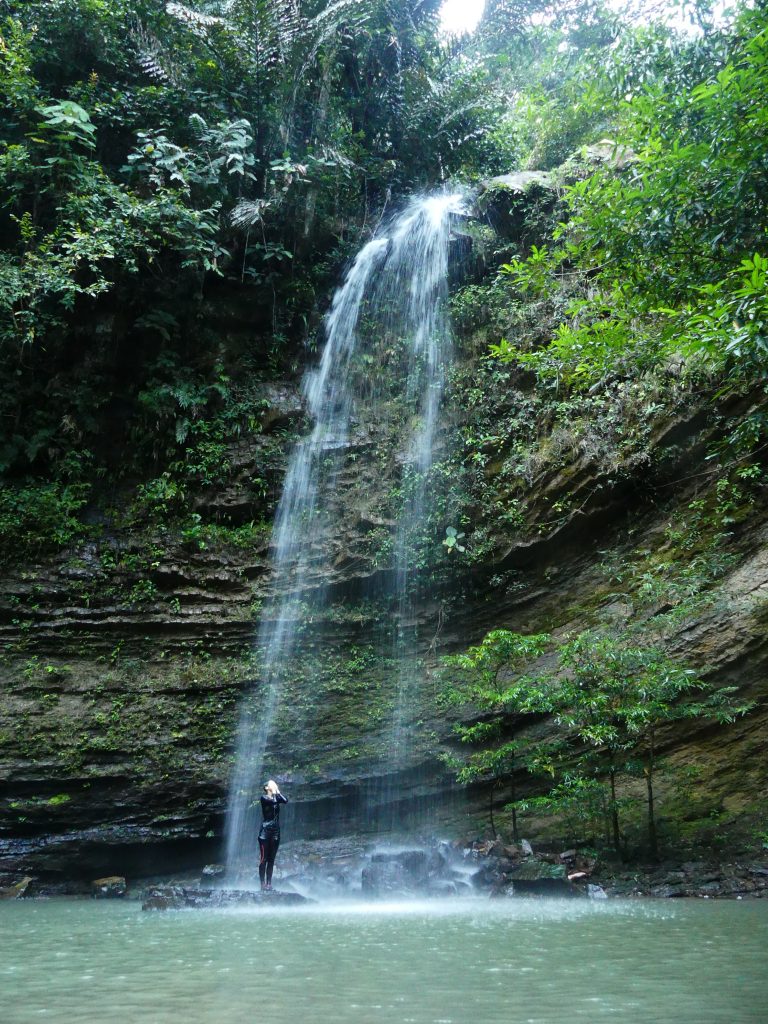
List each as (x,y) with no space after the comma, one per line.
(393,298)
(426,323)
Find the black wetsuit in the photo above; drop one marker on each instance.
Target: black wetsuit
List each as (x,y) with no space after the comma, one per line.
(269,835)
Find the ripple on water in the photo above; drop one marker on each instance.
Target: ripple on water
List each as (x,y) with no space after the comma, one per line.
(467,962)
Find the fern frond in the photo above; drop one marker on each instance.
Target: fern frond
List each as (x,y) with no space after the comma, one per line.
(153,58)
(150,65)
(352,14)
(248,212)
(192,18)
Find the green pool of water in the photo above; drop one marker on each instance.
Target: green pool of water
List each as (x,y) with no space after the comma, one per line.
(437,962)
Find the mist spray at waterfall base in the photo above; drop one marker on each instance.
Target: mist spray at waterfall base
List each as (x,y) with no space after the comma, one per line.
(387,353)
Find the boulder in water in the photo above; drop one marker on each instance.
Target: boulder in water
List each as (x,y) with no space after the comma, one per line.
(539,878)
(179,897)
(110,888)
(211,872)
(15,890)
(403,872)
(386,878)
(433,872)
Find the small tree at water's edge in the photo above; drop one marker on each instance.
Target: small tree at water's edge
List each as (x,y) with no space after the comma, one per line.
(611,697)
(480,679)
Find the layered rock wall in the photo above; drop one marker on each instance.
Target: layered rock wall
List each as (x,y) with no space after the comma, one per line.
(125,659)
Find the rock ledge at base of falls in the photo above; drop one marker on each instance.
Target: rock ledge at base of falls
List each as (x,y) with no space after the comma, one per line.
(177,897)
(734,880)
(352,867)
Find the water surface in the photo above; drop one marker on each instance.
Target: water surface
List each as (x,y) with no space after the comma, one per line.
(438,962)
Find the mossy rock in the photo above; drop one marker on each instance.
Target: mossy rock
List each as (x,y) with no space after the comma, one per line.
(518,206)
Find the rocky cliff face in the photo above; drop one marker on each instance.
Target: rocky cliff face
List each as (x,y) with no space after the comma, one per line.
(126,658)
(117,717)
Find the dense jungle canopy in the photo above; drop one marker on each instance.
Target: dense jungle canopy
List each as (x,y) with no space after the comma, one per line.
(157,154)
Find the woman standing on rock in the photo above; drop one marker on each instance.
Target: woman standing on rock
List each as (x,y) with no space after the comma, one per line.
(269,834)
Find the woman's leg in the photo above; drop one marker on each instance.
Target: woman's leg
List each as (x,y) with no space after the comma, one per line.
(274,843)
(262,860)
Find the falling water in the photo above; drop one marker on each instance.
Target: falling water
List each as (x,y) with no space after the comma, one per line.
(427,230)
(294,541)
(398,282)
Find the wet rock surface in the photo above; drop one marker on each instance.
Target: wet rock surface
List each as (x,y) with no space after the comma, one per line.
(353,867)
(212,872)
(438,871)
(509,871)
(112,888)
(517,870)
(339,868)
(146,791)
(177,897)
(745,879)
(14,888)
(508,200)
(72,857)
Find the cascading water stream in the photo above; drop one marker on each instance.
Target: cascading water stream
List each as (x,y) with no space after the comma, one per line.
(294,539)
(398,282)
(428,325)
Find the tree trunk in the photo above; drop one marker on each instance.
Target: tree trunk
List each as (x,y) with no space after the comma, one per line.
(490,814)
(653,839)
(515,832)
(614,812)
(321,118)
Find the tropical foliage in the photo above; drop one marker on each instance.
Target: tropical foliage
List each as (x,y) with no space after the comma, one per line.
(673,248)
(181,186)
(612,700)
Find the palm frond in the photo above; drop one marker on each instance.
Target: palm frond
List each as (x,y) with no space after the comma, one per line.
(248,212)
(193,18)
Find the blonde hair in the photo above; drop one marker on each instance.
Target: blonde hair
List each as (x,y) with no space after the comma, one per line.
(271,787)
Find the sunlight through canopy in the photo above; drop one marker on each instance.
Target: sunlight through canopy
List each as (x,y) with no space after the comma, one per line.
(459,16)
